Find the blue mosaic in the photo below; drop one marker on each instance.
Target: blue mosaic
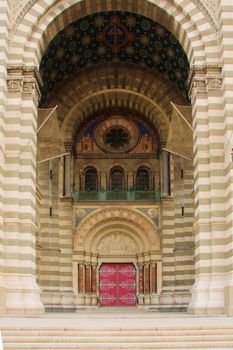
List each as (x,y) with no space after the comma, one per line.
(108,37)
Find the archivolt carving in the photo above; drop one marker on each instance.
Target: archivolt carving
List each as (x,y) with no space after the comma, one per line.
(20,7)
(116,219)
(117,244)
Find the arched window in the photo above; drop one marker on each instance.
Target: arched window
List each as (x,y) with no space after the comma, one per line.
(91,180)
(143,180)
(117,179)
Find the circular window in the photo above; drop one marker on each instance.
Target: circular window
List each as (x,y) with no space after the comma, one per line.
(116,137)
(116,134)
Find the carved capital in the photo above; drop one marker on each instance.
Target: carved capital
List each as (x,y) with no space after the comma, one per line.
(203,79)
(24,80)
(69,147)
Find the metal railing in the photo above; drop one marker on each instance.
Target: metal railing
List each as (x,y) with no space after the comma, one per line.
(116,195)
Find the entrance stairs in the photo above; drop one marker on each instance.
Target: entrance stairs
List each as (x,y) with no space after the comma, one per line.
(125,333)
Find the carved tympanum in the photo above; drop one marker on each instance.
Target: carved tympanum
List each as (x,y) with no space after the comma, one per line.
(117,244)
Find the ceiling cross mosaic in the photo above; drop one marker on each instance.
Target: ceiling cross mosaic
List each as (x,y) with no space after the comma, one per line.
(108,37)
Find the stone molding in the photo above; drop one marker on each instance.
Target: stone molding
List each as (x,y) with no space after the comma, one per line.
(209,9)
(204,78)
(24,80)
(96,222)
(19,8)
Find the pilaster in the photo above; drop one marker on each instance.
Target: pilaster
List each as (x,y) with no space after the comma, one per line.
(4,35)
(209,222)
(23,293)
(225,11)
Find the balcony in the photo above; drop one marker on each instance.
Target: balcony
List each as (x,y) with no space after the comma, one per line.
(117,195)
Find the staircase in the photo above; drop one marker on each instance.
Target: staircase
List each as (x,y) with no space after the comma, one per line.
(115,337)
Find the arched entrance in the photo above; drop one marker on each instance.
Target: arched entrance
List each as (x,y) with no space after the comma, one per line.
(37,24)
(116,239)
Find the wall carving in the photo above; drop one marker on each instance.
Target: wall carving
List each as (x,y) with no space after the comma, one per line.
(16,6)
(117,244)
(204,78)
(23,80)
(209,9)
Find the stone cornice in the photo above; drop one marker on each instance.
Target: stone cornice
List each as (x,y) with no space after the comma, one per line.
(25,80)
(204,78)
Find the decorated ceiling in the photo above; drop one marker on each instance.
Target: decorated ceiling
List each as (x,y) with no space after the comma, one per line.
(108,37)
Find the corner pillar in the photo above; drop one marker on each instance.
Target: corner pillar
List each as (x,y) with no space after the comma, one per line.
(209,219)
(22,291)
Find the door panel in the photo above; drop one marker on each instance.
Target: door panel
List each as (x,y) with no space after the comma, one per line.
(117,285)
(127,284)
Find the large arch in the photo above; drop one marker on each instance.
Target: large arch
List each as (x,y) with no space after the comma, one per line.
(42,21)
(186,21)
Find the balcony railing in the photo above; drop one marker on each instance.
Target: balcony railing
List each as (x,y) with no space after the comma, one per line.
(116,195)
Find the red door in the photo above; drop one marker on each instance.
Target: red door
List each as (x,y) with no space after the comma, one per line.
(117,285)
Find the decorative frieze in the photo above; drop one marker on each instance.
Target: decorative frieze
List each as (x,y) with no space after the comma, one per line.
(19,8)
(24,80)
(203,79)
(209,9)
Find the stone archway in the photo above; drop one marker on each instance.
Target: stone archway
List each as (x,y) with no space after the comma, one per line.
(199,40)
(116,235)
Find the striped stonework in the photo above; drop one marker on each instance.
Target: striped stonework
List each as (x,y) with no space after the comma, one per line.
(121,87)
(225,11)
(209,222)
(206,36)
(4,23)
(54,243)
(23,294)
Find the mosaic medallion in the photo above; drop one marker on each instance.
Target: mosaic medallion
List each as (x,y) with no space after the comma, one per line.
(116,134)
(110,37)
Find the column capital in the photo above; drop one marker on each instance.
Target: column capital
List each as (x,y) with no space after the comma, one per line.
(204,78)
(69,147)
(24,80)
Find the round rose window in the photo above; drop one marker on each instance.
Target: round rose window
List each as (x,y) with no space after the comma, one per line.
(116,134)
(116,137)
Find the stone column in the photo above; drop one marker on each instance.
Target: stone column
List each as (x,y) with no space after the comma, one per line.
(88,284)
(226,48)
(22,291)
(146,284)
(140,283)
(68,165)
(81,279)
(103,181)
(93,280)
(93,284)
(209,219)
(131,181)
(166,175)
(4,32)
(153,278)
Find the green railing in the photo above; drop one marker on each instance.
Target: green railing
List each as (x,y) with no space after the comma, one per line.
(116,195)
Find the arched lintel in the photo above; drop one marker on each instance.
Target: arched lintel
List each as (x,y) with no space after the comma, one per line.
(131,220)
(42,23)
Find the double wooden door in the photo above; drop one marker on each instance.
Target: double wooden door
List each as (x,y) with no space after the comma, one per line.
(117,284)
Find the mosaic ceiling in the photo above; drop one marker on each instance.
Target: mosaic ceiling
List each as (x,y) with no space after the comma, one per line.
(108,37)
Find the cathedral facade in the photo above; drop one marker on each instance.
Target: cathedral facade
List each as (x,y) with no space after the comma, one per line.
(111,194)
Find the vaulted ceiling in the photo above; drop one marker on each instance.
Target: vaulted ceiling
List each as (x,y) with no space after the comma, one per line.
(113,37)
(114,60)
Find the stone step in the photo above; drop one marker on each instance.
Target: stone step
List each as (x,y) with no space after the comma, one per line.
(114,339)
(132,333)
(119,345)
